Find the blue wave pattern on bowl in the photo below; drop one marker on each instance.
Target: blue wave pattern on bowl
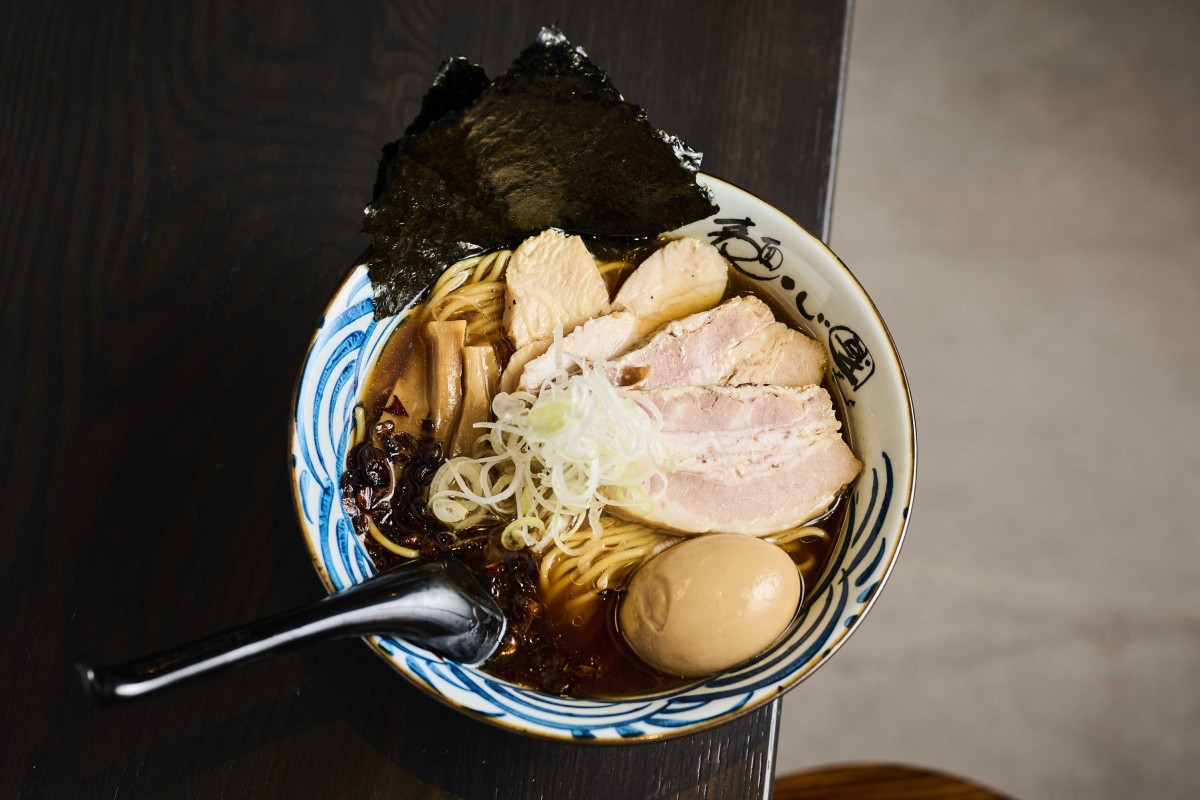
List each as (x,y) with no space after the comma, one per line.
(347,342)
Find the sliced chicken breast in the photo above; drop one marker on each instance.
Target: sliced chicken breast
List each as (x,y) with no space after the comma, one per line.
(682,277)
(551,280)
(594,340)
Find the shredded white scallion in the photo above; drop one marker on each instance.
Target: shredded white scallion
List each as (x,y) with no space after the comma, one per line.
(552,462)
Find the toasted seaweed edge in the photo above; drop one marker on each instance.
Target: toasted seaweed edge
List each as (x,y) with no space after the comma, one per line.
(404,263)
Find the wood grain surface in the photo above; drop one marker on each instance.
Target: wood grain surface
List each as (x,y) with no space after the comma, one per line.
(878,782)
(181,187)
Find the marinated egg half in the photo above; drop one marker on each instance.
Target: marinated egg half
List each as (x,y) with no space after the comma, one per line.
(709,603)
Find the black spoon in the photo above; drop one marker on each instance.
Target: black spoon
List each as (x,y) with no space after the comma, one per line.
(438,605)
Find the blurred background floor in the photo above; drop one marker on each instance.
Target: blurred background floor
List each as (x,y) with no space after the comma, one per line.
(1019,190)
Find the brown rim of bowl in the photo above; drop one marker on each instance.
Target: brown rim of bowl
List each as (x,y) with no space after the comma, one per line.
(792,680)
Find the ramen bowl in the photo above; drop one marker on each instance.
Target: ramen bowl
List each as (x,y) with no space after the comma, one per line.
(797,271)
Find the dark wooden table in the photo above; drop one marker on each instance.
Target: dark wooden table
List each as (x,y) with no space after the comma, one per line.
(180,191)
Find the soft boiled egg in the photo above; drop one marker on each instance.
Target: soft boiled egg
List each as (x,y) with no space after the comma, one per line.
(709,603)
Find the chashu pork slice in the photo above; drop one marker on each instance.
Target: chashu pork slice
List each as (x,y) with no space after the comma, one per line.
(778,355)
(748,459)
(551,280)
(738,342)
(683,277)
(698,350)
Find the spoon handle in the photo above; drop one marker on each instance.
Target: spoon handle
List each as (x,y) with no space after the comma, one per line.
(435,604)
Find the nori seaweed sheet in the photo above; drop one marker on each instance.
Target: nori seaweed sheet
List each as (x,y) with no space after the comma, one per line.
(548,144)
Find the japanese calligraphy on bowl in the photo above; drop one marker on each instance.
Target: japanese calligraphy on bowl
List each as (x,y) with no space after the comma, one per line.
(750,255)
